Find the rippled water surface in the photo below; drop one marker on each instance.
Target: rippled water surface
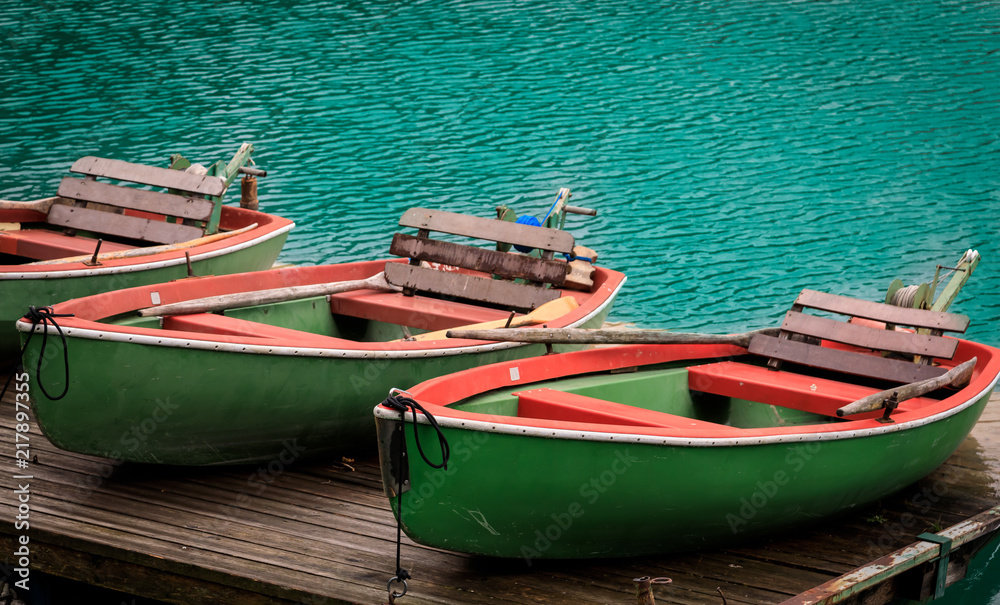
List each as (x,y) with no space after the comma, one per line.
(737,152)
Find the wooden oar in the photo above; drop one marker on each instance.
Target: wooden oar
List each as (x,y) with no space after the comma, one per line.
(41,205)
(581,336)
(550,311)
(958,376)
(136,252)
(264,297)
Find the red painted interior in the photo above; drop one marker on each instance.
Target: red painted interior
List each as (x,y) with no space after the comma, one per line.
(90,310)
(436,394)
(416,311)
(787,389)
(232,218)
(209,323)
(43,244)
(549,404)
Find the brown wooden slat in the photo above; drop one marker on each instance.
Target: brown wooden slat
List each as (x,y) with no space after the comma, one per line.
(150,175)
(132,227)
(869,338)
(848,362)
(137,199)
(458,285)
(480,259)
(488,229)
(917,318)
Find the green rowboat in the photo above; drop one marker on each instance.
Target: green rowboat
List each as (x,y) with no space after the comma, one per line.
(642,449)
(96,237)
(259,381)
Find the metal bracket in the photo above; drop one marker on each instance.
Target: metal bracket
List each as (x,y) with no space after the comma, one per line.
(942,561)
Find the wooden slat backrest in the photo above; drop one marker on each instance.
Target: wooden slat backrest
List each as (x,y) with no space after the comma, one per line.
(460,285)
(847,362)
(480,259)
(790,346)
(131,227)
(541,271)
(890,314)
(193,208)
(505,232)
(100,206)
(118,170)
(869,338)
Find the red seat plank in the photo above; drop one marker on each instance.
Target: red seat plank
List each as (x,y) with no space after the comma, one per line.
(549,404)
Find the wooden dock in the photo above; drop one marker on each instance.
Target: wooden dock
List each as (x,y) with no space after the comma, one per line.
(323,533)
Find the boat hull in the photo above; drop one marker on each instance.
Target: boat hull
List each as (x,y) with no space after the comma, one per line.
(515,490)
(24,285)
(143,399)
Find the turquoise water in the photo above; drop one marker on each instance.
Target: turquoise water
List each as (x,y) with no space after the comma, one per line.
(737,151)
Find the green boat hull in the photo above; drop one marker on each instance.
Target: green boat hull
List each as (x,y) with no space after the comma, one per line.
(561,488)
(169,405)
(579,499)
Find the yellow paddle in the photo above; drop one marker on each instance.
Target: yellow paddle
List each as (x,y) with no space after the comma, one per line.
(550,311)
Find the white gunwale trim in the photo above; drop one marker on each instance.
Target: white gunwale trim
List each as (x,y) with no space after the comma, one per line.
(147,266)
(628,438)
(264,349)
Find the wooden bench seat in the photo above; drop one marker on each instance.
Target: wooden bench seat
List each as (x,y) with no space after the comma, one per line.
(793,344)
(538,272)
(420,312)
(796,391)
(43,244)
(220,325)
(550,404)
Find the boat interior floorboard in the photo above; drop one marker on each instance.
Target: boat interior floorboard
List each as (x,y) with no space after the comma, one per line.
(322,532)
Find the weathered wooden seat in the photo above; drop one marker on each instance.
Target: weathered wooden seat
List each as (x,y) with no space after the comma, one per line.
(793,343)
(183,213)
(462,285)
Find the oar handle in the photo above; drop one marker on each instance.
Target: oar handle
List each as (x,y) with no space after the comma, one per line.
(264,297)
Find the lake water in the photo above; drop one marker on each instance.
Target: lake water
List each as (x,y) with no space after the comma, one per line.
(737,151)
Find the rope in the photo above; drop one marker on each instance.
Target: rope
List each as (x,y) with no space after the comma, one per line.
(904,297)
(396,401)
(572,257)
(44,316)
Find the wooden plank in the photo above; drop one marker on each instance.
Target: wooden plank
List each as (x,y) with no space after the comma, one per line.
(848,362)
(460,285)
(869,338)
(42,244)
(551,404)
(488,229)
(480,259)
(201,184)
(131,227)
(917,318)
(195,208)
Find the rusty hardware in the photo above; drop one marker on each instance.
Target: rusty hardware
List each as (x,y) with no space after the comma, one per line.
(890,406)
(93,262)
(644,589)
(248,193)
(510,319)
(393,595)
(187,259)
